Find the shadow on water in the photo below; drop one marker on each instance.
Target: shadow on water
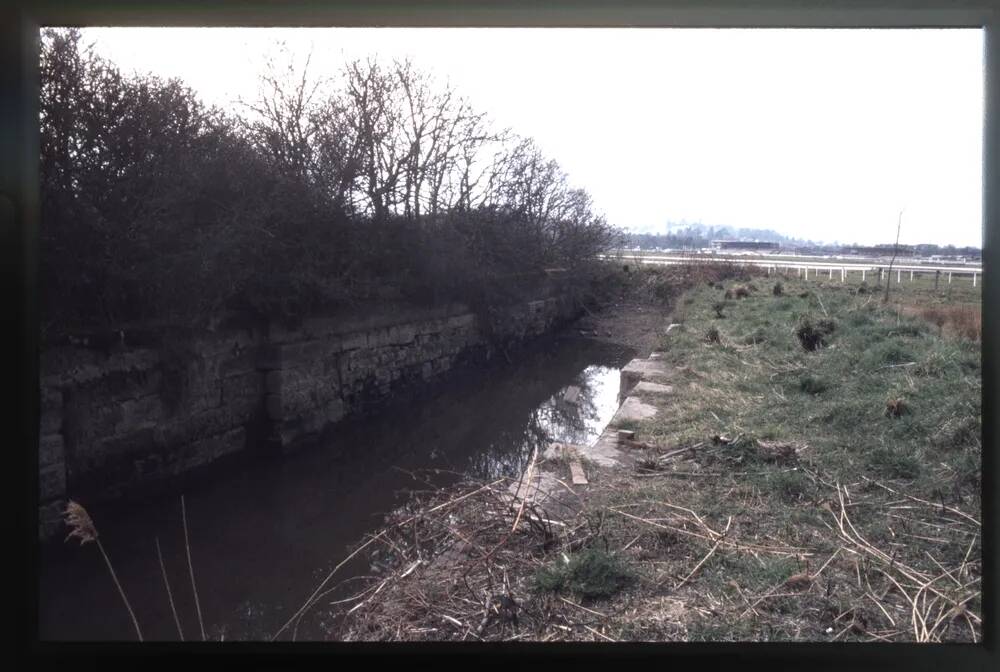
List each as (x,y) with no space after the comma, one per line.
(264,534)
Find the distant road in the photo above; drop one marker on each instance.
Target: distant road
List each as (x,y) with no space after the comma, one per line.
(776,261)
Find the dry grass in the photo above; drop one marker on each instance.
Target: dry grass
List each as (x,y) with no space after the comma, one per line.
(463,565)
(957,321)
(82,527)
(774,501)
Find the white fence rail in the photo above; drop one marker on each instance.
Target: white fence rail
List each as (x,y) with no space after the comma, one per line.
(805,268)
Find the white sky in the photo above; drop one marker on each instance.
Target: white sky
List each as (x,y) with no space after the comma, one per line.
(822,134)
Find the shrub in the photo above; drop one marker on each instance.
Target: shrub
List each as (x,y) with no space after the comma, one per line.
(813,337)
(155,208)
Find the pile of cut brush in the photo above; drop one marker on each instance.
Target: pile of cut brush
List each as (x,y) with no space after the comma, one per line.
(461,564)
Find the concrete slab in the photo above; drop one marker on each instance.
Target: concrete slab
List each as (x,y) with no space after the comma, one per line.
(607,452)
(649,387)
(643,369)
(632,409)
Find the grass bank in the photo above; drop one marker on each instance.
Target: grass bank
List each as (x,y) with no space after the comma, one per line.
(814,477)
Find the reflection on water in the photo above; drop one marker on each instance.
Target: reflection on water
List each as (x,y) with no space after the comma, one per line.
(265,533)
(579,421)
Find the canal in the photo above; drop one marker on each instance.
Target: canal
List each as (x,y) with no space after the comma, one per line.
(265,532)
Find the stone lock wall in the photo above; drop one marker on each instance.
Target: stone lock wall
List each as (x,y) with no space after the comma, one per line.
(111,423)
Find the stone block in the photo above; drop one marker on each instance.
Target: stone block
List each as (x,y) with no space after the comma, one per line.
(303,401)
(465,321)
(88,417)
(272,381)
(52,482)
(247,362)
(50,519)
(200,425)
(354,341)
(402,334)
(273,406)
(378,338)
(50,422)
(208,450)
(122,385)
(140,440)
(642,369)
(51,450)
(647,387)
(269,356)
(137,413)
(321,327)
(51,400)
(244,387)
(303,355)
(632,410)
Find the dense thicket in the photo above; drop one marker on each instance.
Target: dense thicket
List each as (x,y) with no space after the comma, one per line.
(376,184)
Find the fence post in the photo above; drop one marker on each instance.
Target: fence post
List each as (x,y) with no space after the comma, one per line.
(949,277)
(864,272)
(830,276)
(937,277)
(843,274)
(899,276)
(911,275)
(973,279)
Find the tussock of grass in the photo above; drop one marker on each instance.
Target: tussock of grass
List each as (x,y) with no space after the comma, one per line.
(813,385)
(591,573)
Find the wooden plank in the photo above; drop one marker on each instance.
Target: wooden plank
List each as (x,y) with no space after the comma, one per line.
(575,466)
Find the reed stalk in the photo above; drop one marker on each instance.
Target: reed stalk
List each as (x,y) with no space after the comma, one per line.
(82,526)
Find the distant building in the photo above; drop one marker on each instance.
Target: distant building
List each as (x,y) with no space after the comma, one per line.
(878,250)
(754,245)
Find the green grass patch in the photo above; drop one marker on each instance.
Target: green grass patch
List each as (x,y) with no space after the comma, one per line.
(591,573)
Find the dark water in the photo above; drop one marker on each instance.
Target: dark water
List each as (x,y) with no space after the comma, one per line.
(266,532)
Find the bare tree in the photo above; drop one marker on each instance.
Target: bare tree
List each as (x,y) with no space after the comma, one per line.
(283,121)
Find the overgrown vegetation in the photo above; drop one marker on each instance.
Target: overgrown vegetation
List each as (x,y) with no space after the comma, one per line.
(876,523)
(380,186)
(774,498)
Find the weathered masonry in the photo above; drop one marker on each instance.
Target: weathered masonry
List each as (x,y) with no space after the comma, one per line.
(113,422)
